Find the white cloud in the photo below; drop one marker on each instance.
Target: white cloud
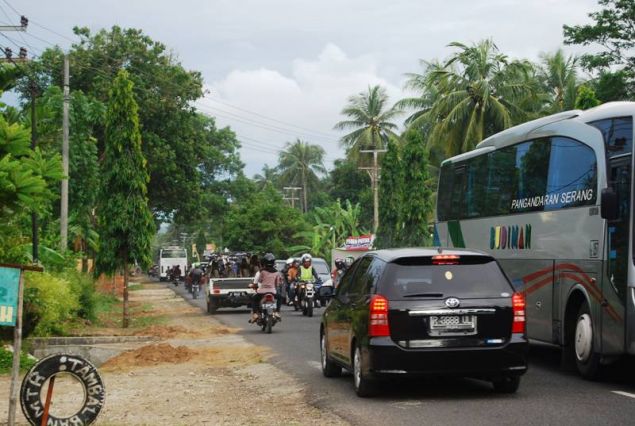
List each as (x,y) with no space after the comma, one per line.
(311,98)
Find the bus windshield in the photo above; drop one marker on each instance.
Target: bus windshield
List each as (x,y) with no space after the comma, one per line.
(172,253)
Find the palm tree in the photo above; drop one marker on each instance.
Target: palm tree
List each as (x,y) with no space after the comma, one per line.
(370,119)
(301,162)
(269,176)
(477,92)
(558,74)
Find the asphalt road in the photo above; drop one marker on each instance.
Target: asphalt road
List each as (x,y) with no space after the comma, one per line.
(547,394)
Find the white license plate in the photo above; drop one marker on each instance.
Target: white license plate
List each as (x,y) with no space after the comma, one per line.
(444,325)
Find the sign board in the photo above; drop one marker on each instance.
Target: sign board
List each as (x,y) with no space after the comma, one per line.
(361,243)
(9,287)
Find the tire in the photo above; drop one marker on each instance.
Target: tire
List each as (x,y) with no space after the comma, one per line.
(329,368)
(212,306)
(309,309)
(508,384)
(269,324)
(364,387)
(587,359)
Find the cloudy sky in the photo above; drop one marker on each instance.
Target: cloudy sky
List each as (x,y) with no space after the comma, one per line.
(277,70)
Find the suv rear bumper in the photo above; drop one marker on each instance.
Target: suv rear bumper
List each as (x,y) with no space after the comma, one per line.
(385,357)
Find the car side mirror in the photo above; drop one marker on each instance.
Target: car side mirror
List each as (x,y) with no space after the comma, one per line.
(609,207)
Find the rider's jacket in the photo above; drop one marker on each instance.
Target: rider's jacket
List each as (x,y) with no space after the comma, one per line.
(268,281)
(306,274)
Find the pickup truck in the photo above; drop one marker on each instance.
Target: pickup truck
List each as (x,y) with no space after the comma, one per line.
(228,293)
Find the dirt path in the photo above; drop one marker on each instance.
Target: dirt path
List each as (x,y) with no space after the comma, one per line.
(200,372)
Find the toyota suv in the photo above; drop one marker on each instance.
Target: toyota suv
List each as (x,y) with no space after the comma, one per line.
(425,312)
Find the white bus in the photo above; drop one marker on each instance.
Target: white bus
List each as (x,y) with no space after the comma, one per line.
(170,257)
(551,199)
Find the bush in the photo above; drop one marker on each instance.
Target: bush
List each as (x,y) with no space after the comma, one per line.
(6,361)
(49,302)
(84,287)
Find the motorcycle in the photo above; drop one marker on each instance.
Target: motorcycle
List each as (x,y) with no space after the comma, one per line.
(305,295)
(196,288)
(266,318)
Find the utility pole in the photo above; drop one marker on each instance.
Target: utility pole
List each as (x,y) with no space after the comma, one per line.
(34,225)
(374,182)
(292,198)
(64,195)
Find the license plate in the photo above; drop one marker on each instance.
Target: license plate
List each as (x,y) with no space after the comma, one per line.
(445,325)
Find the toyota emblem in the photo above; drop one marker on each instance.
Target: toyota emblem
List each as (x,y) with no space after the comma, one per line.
(452,302)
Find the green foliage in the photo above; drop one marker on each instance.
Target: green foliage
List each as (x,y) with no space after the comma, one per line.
(263,223)
(417,202)
(370,120)
(6,361)
(391,190)
(558,75)
(126,225)
(586,98)
(300,164)
(611,86)
(347,182)
(49,303)
(83,286)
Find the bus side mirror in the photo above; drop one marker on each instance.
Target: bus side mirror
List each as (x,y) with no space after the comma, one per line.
(609,208)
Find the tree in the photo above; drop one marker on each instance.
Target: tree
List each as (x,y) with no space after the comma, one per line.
(269,176)
(613,29)
(347,183)
(300,163)
(126,225)
(558,74)
(477,92)
(586,98)
(370,119)
(391,188)
(417,202)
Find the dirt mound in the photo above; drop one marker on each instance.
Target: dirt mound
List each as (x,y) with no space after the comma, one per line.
(165,331)
(150,355)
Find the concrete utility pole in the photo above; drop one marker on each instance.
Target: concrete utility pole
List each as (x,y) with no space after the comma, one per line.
(64,195)
(374,182)
(34,225)
(292,198)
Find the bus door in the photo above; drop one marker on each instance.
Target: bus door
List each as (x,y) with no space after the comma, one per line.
(614,284)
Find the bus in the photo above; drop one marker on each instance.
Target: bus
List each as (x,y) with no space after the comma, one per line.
(551,199)
(170,257)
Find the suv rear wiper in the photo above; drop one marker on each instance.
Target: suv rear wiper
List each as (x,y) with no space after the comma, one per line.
(424,295)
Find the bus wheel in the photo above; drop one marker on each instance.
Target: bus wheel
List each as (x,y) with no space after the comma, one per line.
(586,357)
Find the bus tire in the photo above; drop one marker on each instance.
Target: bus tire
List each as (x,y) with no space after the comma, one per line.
(80,369)
(586,357)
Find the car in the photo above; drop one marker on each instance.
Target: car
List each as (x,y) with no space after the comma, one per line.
(418,311)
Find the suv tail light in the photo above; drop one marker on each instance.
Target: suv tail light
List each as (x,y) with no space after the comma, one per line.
(215,288)
(518,308)
(378,319)
(445,259)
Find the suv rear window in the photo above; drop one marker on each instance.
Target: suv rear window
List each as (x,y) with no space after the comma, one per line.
(417,277)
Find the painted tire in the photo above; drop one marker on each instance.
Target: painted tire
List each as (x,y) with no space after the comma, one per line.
(81,370)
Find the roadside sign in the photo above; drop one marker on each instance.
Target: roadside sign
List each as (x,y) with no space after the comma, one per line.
(9,288)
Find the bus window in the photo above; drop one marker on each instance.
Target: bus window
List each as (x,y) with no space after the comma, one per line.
(532,163)
(501,181)
(617,133)
(444,193)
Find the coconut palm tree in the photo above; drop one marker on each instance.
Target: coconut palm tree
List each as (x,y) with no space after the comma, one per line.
(300,163)
(370,121)
(269,176)
(558,74)
(477,92)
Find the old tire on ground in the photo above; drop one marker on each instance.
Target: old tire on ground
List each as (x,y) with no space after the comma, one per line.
(507,384)
(587,359)
(329,368)
(80,369)
(364,386)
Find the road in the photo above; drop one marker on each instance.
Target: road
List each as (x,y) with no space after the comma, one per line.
(547,394)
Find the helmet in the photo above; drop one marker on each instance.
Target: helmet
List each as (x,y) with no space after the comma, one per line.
(290,261)
(268,260)
(339,263)
(306,257)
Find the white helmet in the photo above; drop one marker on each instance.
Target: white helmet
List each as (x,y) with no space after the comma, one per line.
(306,257)
(290,261)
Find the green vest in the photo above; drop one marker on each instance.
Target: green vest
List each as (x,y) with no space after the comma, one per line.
(306,274)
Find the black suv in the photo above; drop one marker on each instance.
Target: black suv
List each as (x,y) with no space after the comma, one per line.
(425,311)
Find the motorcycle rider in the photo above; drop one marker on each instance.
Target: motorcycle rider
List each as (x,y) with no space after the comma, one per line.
(338,271)
(176,273)
(267,280)
(290,275)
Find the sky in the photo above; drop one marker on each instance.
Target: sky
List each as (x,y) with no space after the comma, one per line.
(278,70)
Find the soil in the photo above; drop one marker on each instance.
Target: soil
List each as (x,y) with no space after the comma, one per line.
(200,372)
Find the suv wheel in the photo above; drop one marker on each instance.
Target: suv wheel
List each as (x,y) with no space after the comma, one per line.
(329,368)
(507,384)
(363,385)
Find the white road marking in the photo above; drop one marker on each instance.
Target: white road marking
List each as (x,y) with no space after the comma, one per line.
(630,395)
(315,364)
